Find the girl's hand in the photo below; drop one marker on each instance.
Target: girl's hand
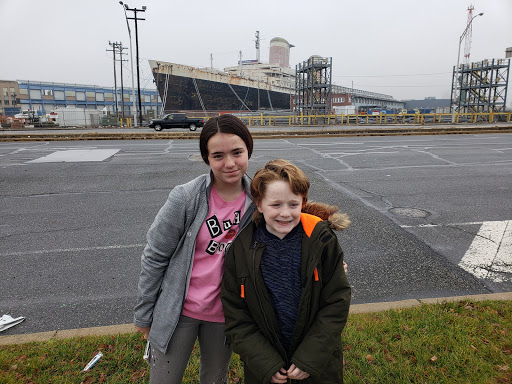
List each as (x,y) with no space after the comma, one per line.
(279,377)
(144,331)
(345,267)
(296,373)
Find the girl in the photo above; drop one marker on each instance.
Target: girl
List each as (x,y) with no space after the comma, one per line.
(284,292)
(178,297)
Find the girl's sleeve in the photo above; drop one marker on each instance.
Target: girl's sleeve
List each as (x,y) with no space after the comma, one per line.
(162,240)
(246,337)
(323,337)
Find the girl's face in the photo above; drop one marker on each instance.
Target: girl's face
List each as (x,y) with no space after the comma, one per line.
(280,208)
(228,158)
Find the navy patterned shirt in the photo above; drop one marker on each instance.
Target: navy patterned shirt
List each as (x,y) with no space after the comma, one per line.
(280,266)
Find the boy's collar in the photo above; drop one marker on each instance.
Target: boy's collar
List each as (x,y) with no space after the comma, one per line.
(309,222)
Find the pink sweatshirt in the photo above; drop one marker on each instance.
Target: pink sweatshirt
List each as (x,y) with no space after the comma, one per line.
(215,236)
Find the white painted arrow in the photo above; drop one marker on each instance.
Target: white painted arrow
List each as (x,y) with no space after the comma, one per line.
(490,254)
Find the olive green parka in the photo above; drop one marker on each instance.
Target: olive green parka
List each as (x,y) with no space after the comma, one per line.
(251,324)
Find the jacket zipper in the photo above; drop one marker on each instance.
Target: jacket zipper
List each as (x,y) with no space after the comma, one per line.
(276,339)
(306,279)
(242,288)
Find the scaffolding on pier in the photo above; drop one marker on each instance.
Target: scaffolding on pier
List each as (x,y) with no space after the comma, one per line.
(481,86)
(313,86)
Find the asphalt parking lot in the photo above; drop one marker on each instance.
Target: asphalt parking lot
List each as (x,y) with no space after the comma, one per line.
(73,230)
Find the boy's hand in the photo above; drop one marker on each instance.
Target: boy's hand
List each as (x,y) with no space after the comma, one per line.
(279,377)
(345,267)
(296,373)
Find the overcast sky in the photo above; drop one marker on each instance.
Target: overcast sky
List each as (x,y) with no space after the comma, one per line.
(403,48)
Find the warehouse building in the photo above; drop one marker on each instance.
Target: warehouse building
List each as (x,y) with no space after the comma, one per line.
(43,97)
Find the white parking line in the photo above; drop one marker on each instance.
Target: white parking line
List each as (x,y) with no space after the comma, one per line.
(490,254)
(47,251)
(76,155)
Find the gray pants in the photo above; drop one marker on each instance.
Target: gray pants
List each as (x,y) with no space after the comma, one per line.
(215,354)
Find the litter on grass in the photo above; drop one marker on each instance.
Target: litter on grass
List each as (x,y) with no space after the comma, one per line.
(92,362)
(146,353)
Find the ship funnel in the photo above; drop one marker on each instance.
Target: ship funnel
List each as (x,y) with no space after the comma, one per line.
(280,52)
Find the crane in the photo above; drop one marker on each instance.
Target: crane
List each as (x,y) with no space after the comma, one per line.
(468,38)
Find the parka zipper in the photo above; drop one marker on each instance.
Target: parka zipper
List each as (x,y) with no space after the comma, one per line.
(305,281)
(276,338)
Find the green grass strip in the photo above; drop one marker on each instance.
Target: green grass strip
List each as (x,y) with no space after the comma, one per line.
(457,342)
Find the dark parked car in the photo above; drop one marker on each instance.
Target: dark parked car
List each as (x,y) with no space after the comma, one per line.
(176,120)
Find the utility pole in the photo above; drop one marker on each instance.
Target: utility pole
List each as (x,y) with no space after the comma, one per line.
(211,60)
(114,47)
(135,10)
(120,47)
(131,65)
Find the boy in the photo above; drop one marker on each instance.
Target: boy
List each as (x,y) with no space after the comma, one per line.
(284,292)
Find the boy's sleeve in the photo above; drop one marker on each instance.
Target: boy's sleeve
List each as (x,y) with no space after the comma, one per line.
(247,340)
(323,337)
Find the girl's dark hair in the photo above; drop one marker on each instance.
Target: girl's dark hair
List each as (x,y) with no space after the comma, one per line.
(224,124)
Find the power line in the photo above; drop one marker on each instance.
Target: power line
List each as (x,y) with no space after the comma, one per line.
(417,74)
(401,86)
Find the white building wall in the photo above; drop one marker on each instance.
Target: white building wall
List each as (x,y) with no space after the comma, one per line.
(75,116)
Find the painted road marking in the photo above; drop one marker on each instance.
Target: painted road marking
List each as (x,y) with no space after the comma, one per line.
(82,249)
(76,155)
(490,254)
(441,225)
(482,251)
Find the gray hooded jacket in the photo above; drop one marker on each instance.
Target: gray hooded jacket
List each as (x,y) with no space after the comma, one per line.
(166,261)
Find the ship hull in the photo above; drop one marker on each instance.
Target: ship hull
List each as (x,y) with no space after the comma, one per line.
(183,88)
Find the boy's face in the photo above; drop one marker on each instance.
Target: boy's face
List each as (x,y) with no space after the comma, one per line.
(280,208)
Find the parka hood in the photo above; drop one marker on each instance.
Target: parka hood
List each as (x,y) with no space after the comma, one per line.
(337,221)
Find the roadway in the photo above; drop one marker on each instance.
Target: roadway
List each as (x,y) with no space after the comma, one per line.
(431,217)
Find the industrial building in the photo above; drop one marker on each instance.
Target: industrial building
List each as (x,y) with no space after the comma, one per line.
(43,97)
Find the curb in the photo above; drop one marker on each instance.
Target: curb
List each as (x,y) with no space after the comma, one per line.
(392,305)
(129,328)
(286,132)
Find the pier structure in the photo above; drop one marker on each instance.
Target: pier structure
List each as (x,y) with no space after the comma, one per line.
(480,86)
(313,85)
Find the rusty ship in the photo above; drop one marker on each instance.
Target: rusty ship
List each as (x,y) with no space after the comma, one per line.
(249,86)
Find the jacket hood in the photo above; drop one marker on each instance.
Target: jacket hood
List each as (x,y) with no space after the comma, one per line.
(337,221)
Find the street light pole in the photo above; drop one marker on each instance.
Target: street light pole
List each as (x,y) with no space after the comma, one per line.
(455,97)
(135,10)
(131,65)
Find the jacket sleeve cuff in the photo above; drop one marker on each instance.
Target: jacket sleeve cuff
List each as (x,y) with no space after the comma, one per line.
(141,324)
(305,368)
(271,372)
